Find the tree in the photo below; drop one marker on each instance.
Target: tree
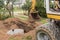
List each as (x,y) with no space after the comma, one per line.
(1,7)
(1,4)
(40,8)
(9,6)
(4,7)
(27,5)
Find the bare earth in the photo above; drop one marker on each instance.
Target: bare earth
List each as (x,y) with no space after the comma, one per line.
(15,23)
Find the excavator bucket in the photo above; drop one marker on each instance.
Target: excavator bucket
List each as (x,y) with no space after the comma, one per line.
(34,15)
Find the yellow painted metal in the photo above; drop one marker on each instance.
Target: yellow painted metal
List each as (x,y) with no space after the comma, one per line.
(53,16)
(33,6)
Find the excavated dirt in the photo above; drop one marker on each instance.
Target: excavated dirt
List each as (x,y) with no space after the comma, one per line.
(15,23)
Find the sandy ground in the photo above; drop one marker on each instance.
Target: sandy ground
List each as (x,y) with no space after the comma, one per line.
(12,23)
(4,36)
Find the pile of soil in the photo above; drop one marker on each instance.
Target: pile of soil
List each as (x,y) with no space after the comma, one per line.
(15,23)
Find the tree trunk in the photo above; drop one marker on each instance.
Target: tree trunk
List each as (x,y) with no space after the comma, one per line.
(10,13)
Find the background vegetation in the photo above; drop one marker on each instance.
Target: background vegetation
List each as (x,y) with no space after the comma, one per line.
(39,7)
(5,10)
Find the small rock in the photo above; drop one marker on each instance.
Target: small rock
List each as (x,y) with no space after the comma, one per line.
(15,32)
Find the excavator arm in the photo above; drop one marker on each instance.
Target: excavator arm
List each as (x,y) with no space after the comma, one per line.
(33,6)
(33,13)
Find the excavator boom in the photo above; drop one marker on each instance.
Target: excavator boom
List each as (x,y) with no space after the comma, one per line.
(33,5)
(33,14)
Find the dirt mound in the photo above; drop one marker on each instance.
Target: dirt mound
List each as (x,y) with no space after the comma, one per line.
(13,23)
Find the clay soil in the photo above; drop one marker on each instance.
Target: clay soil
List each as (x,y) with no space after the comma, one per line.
(15,23)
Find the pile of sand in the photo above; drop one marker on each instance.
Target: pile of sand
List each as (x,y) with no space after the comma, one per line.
(15,23)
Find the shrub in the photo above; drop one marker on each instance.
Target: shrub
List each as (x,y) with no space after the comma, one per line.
(40,8)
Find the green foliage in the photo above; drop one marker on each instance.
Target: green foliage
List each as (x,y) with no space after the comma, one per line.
(40,8)
(27,5)
(3,10)
(12,38)
(43,20)
(1,4)
(3,16)
(52,5)
(27,38)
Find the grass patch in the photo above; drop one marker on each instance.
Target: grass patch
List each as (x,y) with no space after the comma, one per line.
(12,38)
(17,9)
(24,17)
(27,38)
(43,20)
